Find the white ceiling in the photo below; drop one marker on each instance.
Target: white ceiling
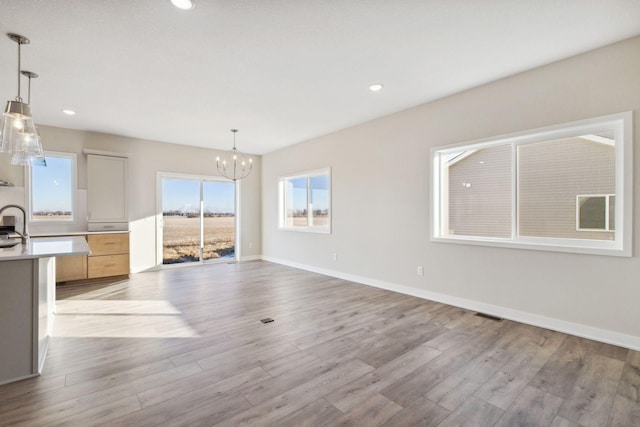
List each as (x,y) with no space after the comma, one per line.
(281,71)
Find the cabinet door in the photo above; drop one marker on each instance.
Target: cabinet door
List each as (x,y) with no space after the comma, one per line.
(107,188)
(71,268)
(108,265)
(108,244)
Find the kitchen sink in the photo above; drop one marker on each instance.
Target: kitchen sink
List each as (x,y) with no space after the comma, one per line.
(8,243)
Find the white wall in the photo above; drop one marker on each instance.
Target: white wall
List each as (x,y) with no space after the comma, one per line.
(380,201)
(146,159)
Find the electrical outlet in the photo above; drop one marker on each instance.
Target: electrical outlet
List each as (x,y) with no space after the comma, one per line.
(335,257)
(251,245)
(420,271)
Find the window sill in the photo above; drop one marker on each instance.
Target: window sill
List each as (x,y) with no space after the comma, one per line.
(575,246)
(306,230)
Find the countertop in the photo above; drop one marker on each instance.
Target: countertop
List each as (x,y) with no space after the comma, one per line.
(76,233)
(42,247)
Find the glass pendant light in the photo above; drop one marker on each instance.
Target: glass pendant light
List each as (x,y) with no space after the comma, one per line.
(29,151)
(233,165)
(18,135)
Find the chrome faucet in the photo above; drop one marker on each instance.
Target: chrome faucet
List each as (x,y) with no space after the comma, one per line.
(25,233)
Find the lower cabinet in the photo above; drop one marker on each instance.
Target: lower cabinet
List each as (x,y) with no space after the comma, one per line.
(109,257)
(71,268)
(107,265)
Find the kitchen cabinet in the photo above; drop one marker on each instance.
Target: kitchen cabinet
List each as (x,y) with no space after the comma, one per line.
(109,257)
(71,268)
(107,192)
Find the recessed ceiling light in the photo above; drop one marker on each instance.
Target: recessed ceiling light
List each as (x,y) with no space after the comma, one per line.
(376,87)
(69,112)
(183,4)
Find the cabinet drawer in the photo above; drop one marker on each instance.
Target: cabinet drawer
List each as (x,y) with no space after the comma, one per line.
(108,265)
(107,244)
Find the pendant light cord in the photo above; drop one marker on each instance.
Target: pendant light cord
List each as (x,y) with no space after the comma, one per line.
(18,98)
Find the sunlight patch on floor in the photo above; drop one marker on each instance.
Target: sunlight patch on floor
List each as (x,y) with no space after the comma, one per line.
(113,307)
(119,318)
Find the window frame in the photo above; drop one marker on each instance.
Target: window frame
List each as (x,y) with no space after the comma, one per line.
(621,246)
(74,184)
(282,223)
(160,176)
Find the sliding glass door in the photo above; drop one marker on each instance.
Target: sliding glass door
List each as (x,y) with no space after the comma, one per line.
(218,231)
(198,219)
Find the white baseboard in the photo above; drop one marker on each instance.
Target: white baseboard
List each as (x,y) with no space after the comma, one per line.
(577,329)
(251,258)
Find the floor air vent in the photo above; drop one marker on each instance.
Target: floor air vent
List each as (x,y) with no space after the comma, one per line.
(267,320)
(490,317)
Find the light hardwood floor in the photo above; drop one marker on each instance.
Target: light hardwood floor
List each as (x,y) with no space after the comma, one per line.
(186,347)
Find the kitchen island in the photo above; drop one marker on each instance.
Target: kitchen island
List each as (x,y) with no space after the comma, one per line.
(27,302)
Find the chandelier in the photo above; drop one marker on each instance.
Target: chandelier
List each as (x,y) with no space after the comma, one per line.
(233,164)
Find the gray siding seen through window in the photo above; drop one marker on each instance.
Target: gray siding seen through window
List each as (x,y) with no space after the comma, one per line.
(550,177)
(480,193)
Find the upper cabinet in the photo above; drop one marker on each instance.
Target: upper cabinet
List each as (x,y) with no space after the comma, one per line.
(107,192)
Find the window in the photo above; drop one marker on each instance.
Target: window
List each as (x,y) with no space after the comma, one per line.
(52,189)
(305,202)
(553,189)
(596,212)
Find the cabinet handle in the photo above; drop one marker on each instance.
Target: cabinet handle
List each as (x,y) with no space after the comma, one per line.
(109,265)
(109,243)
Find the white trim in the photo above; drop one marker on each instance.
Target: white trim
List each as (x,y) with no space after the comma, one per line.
(315,230)
(237,249)
(624,185)
(590,332)
(575,246)
(87,151)
(159,223)
(250,258)
(74,189)
(515,192)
